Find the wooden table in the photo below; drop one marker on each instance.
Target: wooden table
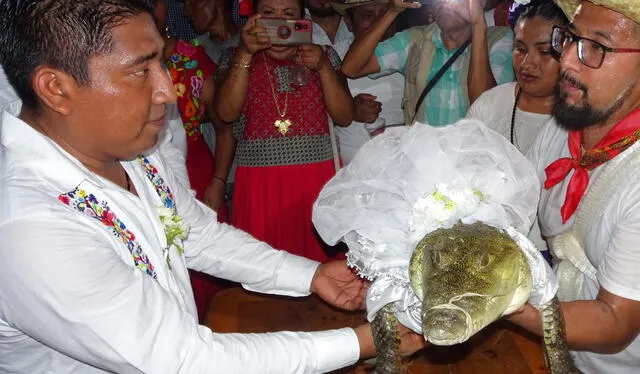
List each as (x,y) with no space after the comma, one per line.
(498,349)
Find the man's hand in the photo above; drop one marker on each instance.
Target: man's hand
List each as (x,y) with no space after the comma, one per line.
(525,316)
(398,6)
(367,109)
(410,342)
(339,285)
(312,56)
(214,194)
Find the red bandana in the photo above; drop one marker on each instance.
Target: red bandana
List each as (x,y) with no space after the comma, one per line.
(619,138)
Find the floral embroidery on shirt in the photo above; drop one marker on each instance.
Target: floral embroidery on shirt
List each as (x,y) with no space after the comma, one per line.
(156,180)
(87,203)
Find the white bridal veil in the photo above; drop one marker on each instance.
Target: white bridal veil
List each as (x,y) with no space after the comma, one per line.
(410,181)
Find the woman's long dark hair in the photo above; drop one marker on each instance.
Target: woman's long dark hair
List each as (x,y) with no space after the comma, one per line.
(546,9)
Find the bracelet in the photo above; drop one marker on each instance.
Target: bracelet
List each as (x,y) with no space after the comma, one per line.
(220,179)
(242,65)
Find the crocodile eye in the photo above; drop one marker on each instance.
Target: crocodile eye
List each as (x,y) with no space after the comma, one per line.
(484,259)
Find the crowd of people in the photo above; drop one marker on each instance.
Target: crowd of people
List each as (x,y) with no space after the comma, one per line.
(145,166)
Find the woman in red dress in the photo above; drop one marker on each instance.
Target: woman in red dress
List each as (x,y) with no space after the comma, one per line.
(192,73)
(284,152)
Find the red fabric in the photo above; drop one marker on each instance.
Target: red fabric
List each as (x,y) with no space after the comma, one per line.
(190,67)
(501,13)
(200,167)
(619,138)
(305,105)
(245,8)
(274,205)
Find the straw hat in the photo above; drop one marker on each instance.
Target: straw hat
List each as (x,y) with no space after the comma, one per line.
(628,8)
(341,6)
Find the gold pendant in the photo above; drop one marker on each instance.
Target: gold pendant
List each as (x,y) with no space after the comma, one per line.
(282,125)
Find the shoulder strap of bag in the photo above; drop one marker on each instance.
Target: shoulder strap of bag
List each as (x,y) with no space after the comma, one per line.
(432,82)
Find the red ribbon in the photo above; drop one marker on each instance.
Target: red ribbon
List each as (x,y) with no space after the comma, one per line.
(619,138)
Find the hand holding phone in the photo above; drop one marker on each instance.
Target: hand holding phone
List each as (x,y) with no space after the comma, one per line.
(287,31)
(253,38)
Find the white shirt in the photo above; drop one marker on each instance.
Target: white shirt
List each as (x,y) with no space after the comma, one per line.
(320,37)
(7,93)
(611,245)
(72,301)
(495,107)
(388,89)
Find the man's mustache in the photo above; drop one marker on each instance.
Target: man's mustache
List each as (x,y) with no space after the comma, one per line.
(565,76)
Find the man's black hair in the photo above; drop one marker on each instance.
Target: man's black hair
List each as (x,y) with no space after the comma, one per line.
(63,34)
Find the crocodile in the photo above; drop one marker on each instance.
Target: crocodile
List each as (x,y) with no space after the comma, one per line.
(468,276)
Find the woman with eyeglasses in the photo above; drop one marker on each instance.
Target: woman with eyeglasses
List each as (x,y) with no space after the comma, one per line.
(518,110)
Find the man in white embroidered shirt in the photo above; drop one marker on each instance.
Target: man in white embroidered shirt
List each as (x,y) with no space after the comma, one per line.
(86,284)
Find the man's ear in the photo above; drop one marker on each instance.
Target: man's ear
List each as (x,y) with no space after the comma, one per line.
(54,88)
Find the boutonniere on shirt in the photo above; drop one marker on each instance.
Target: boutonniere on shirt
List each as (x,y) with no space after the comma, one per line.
(175,229)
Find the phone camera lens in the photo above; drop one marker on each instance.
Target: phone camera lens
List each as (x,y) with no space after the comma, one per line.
(284,32)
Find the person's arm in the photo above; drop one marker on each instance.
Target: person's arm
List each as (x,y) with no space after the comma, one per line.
(606,325)
(70,286)
(610,322)
(335,89)
(360,59)
(480,77)
(224,153)
(225,148)
(233,81)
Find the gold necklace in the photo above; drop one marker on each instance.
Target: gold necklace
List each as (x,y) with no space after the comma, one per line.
(283,123)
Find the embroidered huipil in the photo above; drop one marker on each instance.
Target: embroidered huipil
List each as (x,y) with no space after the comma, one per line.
(259,141)
(73,300)
(279,175)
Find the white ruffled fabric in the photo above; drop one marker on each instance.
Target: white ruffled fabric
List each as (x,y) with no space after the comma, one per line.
(410,181)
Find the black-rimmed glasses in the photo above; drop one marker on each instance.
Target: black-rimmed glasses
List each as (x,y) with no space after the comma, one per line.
(590,52)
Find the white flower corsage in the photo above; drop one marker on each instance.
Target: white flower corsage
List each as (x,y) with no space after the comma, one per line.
(175,229)
(443,207)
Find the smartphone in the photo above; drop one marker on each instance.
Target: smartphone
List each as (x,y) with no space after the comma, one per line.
(287,31)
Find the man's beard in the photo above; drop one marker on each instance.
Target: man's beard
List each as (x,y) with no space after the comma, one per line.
(578,118)
(321,11)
